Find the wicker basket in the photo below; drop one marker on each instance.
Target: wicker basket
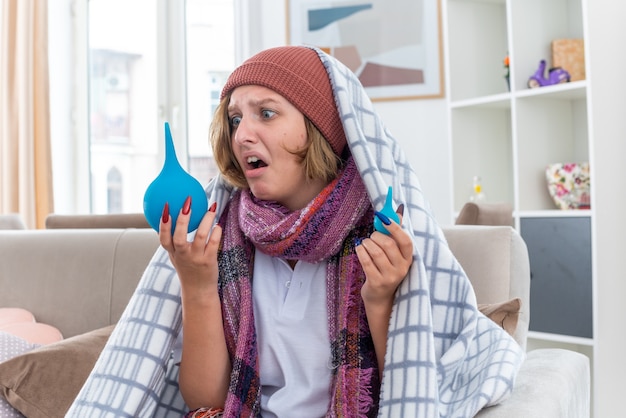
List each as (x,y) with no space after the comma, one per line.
(569,54)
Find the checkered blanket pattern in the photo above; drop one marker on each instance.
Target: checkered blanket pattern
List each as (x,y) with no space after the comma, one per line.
(444,358)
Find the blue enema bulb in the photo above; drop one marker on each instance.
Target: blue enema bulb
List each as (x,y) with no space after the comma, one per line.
(387,211)
(173,185)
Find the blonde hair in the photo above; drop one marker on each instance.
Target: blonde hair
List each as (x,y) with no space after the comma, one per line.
(317,157)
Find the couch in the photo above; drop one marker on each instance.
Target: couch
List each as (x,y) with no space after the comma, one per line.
(486,213)
(12,221)
(79,280)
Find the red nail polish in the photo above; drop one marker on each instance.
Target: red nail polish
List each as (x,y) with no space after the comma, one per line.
(213,207)
(166,213)
(187,206)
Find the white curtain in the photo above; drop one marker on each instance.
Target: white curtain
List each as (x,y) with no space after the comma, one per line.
(25,157)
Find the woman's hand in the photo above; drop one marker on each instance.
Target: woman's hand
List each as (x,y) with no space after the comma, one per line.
(386,260)
(203,380)
(195,261)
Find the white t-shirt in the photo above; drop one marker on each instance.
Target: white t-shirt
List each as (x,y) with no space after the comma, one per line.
(291,320)
(291,323)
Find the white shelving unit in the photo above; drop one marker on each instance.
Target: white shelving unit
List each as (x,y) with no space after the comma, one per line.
(508,135)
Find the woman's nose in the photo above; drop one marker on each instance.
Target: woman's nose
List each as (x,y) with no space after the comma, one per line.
(244,132)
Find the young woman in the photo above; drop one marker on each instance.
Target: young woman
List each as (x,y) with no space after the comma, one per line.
(291,303)
(301,215)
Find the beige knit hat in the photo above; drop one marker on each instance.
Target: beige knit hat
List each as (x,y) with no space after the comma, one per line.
(296,73)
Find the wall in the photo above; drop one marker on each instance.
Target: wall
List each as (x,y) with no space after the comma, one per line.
(606,34)
(419,125)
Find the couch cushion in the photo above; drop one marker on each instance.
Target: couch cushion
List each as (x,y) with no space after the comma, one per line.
(45,381)
(7,411)
(505,314)
(22,323)
(11,346)
(12,315)
(552,382)
(34,332)
(12,221)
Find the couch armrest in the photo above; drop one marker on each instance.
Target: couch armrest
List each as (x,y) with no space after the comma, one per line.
(495,259)
(552,382)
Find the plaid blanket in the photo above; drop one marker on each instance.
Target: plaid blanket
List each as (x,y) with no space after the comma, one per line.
(444,358)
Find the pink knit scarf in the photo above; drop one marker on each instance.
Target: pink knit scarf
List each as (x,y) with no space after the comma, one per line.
(326,229)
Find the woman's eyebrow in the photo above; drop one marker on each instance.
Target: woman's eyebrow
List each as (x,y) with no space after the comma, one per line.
(264,102)
(256,103)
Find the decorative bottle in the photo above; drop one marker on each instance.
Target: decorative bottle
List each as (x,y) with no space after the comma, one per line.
(477,194)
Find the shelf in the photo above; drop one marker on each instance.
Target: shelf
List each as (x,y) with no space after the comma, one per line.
(544,336)
(566,91)
(481,1)
(509,137)
(496,101)
(508,134)
(482,147)
(576,90)
(547,213)
(480,37)
(556,213)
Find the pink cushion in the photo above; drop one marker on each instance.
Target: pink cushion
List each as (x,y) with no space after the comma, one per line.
(34,332)
(15,315)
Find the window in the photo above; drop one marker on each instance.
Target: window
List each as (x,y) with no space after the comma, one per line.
(151,62)
(208,66)
(114,191)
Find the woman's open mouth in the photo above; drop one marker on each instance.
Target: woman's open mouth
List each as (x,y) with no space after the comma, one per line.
(255,162)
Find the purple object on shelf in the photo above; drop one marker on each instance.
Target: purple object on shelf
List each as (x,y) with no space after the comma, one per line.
(556,75)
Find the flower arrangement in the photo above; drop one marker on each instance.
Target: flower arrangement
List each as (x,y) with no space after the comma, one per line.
(506,63)
(569,185)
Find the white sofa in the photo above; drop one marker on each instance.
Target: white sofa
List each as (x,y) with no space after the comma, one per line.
(80,280)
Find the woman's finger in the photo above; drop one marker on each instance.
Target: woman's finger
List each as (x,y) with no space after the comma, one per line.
(397,245)
(165,229)
(204,229)
(182,225)
(366,258)
(405,243)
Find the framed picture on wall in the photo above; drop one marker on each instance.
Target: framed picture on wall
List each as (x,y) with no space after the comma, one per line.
(393,46)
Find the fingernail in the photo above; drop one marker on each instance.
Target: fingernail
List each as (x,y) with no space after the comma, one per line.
(358,241)
(165,217)
(400,210)
(383,218)
(213,207)
(187,206)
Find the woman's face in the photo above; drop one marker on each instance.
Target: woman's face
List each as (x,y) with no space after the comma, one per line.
(265,128)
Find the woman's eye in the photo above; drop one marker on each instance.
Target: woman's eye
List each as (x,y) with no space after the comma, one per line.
(235,121)
(267,113)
